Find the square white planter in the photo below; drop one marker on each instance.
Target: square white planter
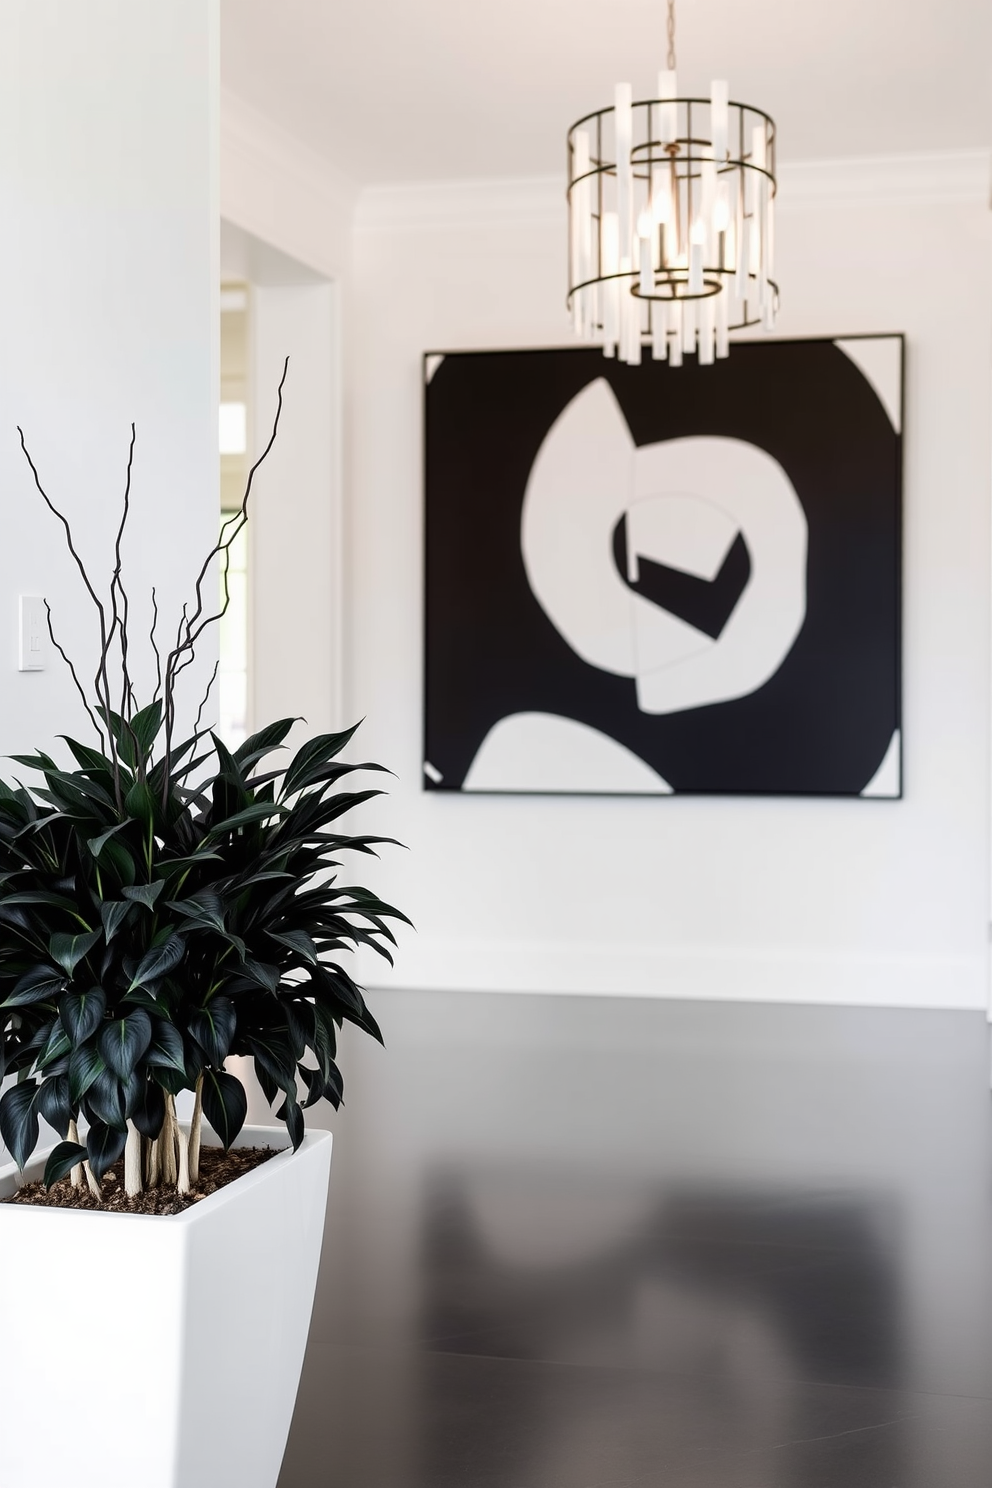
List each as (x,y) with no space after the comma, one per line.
(184,1373)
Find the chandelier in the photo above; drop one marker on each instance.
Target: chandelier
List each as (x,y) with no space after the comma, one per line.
(671,221)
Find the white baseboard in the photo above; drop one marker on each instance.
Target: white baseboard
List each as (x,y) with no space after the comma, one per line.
(692,973)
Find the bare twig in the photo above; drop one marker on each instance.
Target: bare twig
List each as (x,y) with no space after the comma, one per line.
(199,711)
(75,677)
(101,674)
(192,626)
(237,521)
(158,654)
(117,587)
(68,532)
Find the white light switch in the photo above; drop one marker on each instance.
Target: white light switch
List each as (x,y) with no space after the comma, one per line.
(33,652)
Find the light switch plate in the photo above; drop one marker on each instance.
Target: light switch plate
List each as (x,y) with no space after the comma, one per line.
(33,641)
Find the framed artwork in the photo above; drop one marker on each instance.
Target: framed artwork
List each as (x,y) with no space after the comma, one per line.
(659,580)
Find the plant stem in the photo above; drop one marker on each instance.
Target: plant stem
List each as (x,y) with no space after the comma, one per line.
(183,1184)
(93,1183)
(76,1174)
(195,1128)
(153,1163)
(132,1162)
(167,1143)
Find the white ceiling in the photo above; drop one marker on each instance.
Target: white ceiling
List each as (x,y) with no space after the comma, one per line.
(405,90)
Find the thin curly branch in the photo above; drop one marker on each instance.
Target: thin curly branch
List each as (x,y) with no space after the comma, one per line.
(194,625)
(117,588)
(75,678)
(154,644)
(206,695)
(101,675)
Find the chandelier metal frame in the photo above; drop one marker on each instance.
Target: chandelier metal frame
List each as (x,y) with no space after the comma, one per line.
(671,221)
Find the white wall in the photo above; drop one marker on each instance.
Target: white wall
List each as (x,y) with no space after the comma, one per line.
(108,283)
(835,901)
(294,529)
(287,231)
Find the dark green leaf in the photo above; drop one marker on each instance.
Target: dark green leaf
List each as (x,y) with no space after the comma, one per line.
(225,1104)
(325,1037)
(56,1047)
(116,856)
(148,1111)
(104,1145)
(85,1065)
(145,893)
(273,1052)
(19,1121)
(80,794)
(97,844)
(172,1080)
(87,758)
(213,1028)
(43,896)
(314,1081)
(256,746)
(40,984)
(61,1160)
(157,1006)
(268,1086)
(315,752)
(159,961)
(18,917)
(145,727)
(105,1101)
(166,1047)
(113,912)
(140,803)
(40,762)
(258,811)
(334,1087)
(265,975)
(124,1040)
(69,950)
(53,1104)
(296,940)
(82,1013)
(291,1112)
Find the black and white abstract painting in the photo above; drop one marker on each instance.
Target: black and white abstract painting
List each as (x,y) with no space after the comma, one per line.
(655,580)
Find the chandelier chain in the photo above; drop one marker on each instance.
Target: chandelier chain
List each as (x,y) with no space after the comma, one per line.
(671,35)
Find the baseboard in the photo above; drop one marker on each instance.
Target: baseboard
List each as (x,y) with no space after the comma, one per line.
(692,973)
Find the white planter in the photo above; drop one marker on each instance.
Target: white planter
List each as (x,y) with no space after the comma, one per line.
(140,1351)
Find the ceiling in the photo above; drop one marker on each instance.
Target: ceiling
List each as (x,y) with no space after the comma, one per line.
(408,90)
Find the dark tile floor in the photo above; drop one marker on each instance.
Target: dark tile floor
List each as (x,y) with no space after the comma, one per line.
(591,1243)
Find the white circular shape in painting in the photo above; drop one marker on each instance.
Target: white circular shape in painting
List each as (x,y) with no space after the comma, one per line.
(691,507)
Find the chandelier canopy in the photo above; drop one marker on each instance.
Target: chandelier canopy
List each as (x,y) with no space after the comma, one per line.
(671,221)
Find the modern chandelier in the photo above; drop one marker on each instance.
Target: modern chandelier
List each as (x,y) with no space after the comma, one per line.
(671,221)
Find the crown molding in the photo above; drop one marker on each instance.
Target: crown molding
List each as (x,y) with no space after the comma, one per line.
(431,204)
(281,189)
(278,188)
(961,176)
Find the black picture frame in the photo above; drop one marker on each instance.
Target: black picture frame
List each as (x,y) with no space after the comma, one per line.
(490,652)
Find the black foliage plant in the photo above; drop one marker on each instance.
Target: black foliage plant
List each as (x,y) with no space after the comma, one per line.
(168,904)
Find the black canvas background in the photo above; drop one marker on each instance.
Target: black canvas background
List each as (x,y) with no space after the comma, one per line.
(822,724)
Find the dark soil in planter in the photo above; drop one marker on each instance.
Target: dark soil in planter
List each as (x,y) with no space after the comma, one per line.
(217,1169)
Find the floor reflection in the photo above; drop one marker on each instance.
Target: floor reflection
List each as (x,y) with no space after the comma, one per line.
(735,1297)
(541,1265)
(758,1260)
